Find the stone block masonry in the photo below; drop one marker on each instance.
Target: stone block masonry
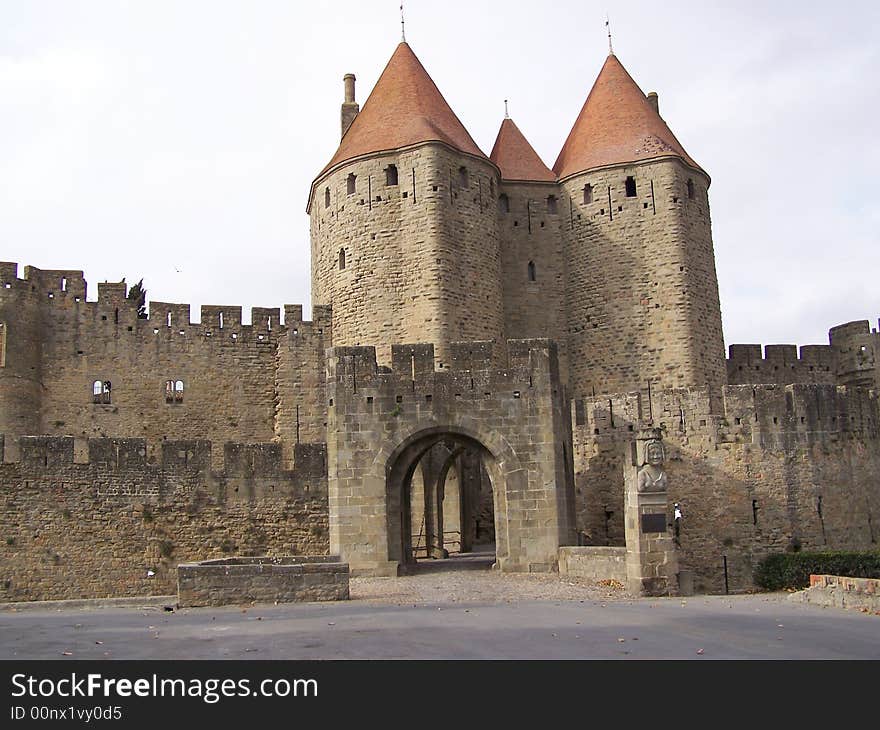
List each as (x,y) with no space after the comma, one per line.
(862,594)
(92,519)
(510,410)
(261,580)
(238,382)
(779,468)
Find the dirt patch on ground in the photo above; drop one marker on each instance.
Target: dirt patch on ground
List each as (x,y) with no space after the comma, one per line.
(482,585)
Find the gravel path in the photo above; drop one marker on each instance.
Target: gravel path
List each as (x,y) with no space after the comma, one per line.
(486,586)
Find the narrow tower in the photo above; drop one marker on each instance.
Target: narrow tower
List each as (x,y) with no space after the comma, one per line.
(403,222)
(530,220)
(641,293)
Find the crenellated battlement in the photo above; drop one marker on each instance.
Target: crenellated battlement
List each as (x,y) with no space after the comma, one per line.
(62,287)
(51,454)
(474,370)
(782,364)
(801,411)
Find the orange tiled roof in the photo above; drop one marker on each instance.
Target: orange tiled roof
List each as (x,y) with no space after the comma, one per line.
(617,124)
(404,108)
(516,158)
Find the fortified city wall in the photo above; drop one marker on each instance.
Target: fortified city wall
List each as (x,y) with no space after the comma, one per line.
(240,382)
(779,468)
(90,518)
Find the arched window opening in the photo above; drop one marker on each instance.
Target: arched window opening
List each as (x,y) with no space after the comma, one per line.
(503,203)
(326,197)
(101,391)
(533,275)
(588,194)
(351,184)
(690,189)
(391,175)
(174,391)
(630,187)
(551,204)
(341,259)
(463,181)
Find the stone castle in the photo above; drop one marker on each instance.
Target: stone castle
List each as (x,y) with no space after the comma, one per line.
(488,336)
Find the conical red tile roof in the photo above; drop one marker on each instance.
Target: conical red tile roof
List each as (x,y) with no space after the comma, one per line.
(617,124)
(404,108)
(516,158)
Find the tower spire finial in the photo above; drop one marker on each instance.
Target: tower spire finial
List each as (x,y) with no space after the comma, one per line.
(608,26)
(402,25)
(506,114)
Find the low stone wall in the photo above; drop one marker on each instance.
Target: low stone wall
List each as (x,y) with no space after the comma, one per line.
(841,592)
(262,580)
(593,563)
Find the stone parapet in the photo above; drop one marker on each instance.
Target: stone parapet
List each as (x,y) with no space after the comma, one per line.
(283,579)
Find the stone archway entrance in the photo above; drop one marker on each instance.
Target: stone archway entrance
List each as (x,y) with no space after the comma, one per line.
(382,423)
(441,499)
(447,506)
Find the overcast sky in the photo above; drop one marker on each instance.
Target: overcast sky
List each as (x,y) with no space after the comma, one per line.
(176,141)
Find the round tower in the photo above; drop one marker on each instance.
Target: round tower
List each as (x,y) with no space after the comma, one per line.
(404,225)
(642,292)
(21,330)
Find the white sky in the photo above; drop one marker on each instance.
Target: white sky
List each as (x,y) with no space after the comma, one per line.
(176,140)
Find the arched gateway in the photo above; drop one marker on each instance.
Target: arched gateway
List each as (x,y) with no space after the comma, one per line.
(509,409)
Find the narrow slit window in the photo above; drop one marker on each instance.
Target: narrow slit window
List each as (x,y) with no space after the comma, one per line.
(630,187)
(551,204)
(63,283)
(326,197)
(2,344)
(220,320)
(391,175)
(463,181)
(533,275)
(168,319)
(341,259)
(503,204)
(690,186)
(588,194)
(351,184)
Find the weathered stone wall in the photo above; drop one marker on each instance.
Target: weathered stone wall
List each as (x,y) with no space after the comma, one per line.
(240,382)
(261,580)
(22,330)
(862,594)
(421,258)
(781,468)
(530,228)
(593,563)
(380,424)
(642,293)
(856,346)
(300,377)
(90,518)
(781,364)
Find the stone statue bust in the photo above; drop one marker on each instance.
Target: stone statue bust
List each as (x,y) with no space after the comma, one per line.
(652,477)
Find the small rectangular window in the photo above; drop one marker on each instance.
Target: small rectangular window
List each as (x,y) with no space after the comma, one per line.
(630,187)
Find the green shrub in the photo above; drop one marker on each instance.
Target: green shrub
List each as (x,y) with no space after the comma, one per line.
(779,571)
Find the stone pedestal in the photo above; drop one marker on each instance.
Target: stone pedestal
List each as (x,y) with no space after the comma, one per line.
(651,561)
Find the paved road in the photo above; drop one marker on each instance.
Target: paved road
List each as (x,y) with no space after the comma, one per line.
(699,628)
